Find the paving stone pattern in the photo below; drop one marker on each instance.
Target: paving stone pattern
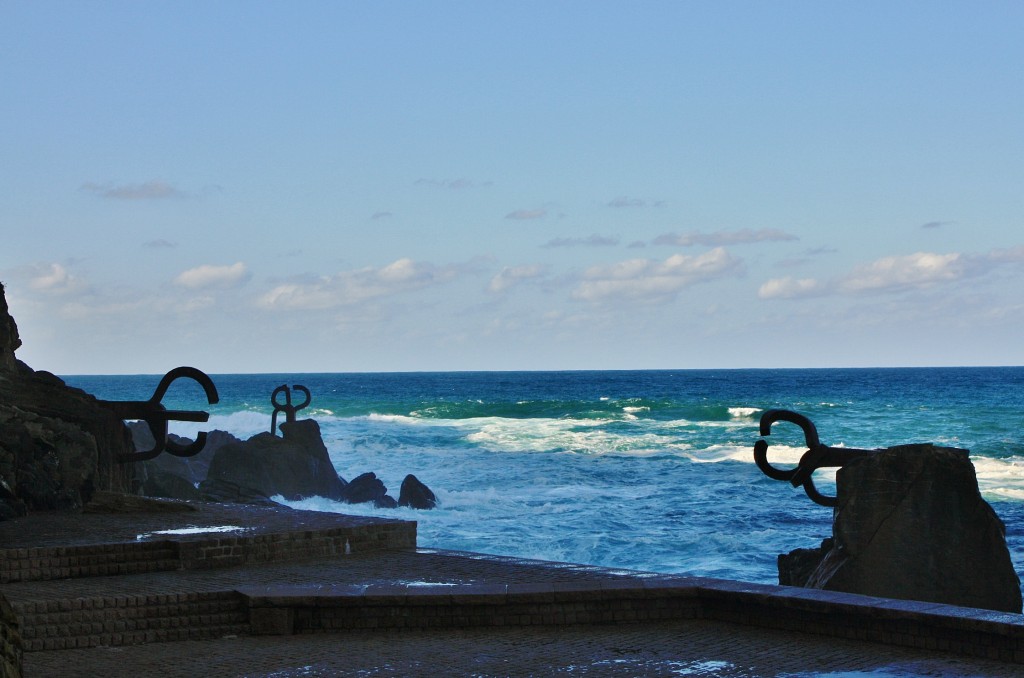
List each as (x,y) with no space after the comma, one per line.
(282,596)
(684,648)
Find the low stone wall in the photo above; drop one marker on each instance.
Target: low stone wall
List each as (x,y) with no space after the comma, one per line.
(10,641)
(930,626)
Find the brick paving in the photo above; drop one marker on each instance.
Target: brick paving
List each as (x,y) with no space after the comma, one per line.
(390,581)
(683,648)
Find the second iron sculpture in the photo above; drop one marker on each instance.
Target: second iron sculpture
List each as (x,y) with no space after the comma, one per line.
(817,455)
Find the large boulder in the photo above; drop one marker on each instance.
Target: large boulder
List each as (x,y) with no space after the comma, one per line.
(415,494)
(910,523)
(294,466)
(366,488)
(58,444)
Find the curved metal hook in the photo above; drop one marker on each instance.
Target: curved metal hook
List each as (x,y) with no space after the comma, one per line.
(797,475)
(156,415)
(201,378)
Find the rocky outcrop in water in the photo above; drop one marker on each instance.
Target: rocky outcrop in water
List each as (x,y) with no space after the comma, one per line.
(295,466)
(415,494)
(911,524)
(58,445)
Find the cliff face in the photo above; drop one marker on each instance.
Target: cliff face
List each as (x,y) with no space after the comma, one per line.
(58,445)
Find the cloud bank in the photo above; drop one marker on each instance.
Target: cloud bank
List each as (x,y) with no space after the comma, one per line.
(650,280)
(895,274)
(209,276)
(352,287)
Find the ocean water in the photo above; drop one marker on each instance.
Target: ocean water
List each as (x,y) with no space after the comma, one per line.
(647,470)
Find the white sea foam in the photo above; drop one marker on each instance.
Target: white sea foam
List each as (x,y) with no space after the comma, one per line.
(743,412)
(1002,478)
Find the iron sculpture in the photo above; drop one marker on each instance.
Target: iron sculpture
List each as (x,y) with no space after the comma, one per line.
(287,406)
(817,455)
(156,415)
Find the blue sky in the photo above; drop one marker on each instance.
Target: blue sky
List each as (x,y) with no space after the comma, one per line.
(388,186)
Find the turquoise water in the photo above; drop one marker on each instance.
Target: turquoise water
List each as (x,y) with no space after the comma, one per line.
(649,470)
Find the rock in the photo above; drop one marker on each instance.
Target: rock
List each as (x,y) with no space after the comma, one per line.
(910,523)
(294,466)
(9,339)
(160,483)
(110,502)
(415,494)
(171,476)
(386,502)
(363,489)
(58,444)
(797,566)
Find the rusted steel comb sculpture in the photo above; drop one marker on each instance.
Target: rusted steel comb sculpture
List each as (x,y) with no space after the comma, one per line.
(156,415)
(817,455)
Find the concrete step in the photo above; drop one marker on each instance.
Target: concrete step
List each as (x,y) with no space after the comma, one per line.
(205,542)
(128,620)
(92,560)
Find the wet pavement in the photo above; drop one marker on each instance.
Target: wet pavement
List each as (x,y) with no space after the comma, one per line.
(680,647)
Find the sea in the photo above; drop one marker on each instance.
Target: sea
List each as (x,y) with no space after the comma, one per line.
(645,470)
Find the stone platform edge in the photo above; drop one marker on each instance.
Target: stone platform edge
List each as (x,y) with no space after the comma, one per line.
(199,551)
(284,610)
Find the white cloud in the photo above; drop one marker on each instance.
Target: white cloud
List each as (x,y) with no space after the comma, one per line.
(914,270)
(53,279)
(790,288)
(897,274)
(210,276)
(650,280)
(721,238)
(511,276)
(351,287)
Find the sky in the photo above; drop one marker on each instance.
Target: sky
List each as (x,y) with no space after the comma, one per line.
(252,187)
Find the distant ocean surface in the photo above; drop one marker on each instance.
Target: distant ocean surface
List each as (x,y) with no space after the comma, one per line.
(647,470)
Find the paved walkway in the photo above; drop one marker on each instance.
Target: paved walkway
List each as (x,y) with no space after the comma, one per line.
(683,648)
(664,648)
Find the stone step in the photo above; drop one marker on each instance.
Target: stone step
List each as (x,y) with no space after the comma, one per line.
(199,551)
(92,560)
(128,620)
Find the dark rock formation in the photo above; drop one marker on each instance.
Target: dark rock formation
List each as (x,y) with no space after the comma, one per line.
(10,641)
(9,339)
(176,477)
(910,523)
(57,444)
(363,489)
(797,566)
(415,494)
(110,502)
(294,466)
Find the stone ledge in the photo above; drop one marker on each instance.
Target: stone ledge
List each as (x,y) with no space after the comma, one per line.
(967,631)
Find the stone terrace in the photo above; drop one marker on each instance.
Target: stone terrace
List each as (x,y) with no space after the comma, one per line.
(282,592)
